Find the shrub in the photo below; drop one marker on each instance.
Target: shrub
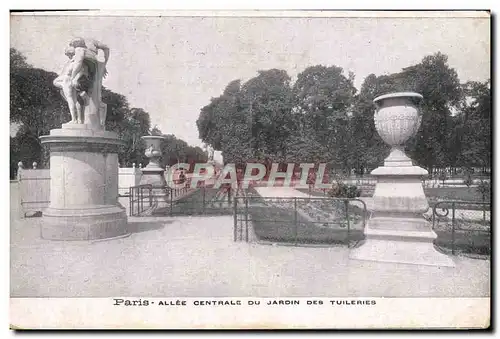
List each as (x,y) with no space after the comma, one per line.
(443,176)
(484,189)
(341,190)
(468,180)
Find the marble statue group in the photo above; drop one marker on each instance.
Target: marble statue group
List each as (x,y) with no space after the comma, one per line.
(81,77)
(82,148)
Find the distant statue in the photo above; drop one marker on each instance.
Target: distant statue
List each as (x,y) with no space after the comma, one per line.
(80,81)
(211,152)
(20,167)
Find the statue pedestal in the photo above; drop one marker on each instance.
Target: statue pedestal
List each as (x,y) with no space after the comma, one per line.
(83,185)
(155,176)
(397,231)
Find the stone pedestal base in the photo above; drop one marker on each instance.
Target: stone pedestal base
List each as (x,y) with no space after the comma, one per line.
(85,223)
(406,247)
(397,232)
(83,185)
(156,178)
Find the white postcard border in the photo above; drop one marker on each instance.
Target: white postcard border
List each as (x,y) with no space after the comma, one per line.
(236,313)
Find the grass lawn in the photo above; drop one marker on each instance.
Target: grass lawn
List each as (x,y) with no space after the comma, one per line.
(470,236)
(305,221)
(317,221)
(453,193)
(465,241)
(282,224)
(433,194)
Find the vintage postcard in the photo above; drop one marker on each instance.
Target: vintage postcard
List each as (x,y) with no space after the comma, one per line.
(250,170)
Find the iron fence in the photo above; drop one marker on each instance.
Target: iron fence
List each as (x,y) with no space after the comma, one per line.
(137,198)
(177,192)
(198,201)
(299,221)
(33,191)
(463,226)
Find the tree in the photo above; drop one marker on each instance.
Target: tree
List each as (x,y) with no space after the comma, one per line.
(266,102)
(135,124)
(219,113)
(321,119)
(304,148)
(484,189)
(156,131)
(250,121)
(117,111)
(25,148)
(367,149)
(195,155)
(440,87)
(472,132)
(322,91)
(176,151)
(35,105)
(17,60)
(324,97)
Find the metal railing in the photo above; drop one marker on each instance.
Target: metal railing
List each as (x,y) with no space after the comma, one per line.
(175,193)
(137,198)
(463,226)
(200,201)
(33,191)
(299,221)
(183,200)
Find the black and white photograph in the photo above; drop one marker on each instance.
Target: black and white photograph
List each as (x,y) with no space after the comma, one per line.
(272,167)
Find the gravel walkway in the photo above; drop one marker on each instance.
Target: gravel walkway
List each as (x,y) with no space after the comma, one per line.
(195,256)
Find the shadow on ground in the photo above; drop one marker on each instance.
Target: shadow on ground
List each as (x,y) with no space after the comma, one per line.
(146,226)
(37,214)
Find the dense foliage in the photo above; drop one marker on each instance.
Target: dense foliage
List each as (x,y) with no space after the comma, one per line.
(36,107)
(319,118)
(322,118)
(342,190)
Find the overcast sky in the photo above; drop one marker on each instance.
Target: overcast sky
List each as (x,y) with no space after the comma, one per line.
(172,66)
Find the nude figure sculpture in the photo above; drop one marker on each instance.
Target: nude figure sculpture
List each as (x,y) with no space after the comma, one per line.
(80,80)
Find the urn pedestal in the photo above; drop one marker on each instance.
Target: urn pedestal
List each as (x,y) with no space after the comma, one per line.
(154,174)
(397,231)
(83,185)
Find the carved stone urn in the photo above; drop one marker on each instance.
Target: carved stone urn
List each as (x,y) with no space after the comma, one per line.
(397,118)
(153,150)
(397,230)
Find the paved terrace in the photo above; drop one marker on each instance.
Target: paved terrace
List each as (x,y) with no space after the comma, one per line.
(196,256)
